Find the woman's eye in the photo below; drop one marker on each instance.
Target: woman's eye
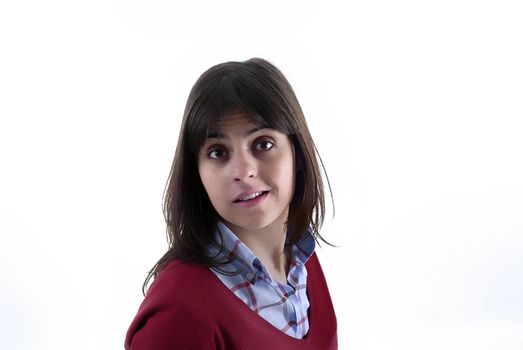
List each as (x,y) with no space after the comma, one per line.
(264,145)
(216,154)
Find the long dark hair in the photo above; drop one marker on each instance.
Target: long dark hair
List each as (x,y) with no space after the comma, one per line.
(260,91)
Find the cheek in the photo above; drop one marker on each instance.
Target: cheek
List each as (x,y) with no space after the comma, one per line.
(291,176)
(207,179)
(286,177)
(213,185)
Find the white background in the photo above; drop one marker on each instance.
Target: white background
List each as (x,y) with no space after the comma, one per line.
(415,106)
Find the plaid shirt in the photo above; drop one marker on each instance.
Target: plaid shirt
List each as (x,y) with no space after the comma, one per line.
(285,306)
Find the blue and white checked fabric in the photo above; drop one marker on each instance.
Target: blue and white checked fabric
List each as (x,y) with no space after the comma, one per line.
(285,306)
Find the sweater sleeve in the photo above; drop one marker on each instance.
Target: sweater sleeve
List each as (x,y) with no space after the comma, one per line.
(173,316)
(171,329)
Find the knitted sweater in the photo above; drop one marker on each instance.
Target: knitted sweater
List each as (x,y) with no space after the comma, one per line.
(188,308)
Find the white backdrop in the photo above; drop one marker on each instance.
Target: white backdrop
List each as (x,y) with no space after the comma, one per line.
(416,108)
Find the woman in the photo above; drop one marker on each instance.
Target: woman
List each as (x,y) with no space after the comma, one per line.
(243,206)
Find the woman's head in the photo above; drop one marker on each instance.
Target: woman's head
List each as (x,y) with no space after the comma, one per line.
(258,92)
(248,172)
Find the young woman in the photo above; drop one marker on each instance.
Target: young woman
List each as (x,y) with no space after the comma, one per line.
(243,206)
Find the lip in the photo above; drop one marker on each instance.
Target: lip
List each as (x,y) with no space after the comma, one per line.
(251,202)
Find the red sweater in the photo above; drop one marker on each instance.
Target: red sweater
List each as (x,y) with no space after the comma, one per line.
(188,307)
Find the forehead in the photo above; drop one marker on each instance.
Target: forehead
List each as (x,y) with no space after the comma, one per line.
(236,120)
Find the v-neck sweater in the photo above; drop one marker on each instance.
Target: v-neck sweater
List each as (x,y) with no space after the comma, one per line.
(188,308)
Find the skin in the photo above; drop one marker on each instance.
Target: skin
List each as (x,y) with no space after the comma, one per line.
(240,159)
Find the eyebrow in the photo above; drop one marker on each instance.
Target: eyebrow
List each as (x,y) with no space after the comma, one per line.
(215,134)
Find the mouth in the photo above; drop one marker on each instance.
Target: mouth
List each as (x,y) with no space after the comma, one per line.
(242,198)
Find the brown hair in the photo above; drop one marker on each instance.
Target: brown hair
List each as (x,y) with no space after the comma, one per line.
(259,90)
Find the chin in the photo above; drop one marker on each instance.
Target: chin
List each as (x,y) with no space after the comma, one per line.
(249,225)
(256,220)
(254,224)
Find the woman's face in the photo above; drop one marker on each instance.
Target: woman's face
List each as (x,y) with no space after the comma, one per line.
(248,173)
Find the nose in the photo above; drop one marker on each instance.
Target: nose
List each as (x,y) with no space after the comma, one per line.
(244,166)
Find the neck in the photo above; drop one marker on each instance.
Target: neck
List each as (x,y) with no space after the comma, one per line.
(268,244)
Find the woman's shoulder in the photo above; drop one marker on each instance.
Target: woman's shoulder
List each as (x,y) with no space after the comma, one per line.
(173,310)
(179,279)
(179,269)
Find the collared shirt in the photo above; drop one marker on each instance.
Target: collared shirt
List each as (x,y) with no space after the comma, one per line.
(285,306)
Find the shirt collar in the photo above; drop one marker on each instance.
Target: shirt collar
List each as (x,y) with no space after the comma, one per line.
(303,250)
(244,261)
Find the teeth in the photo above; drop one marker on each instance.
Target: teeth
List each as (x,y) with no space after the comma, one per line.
(252,196)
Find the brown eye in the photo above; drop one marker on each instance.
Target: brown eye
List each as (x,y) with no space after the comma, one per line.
(264,145)
(216,153)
